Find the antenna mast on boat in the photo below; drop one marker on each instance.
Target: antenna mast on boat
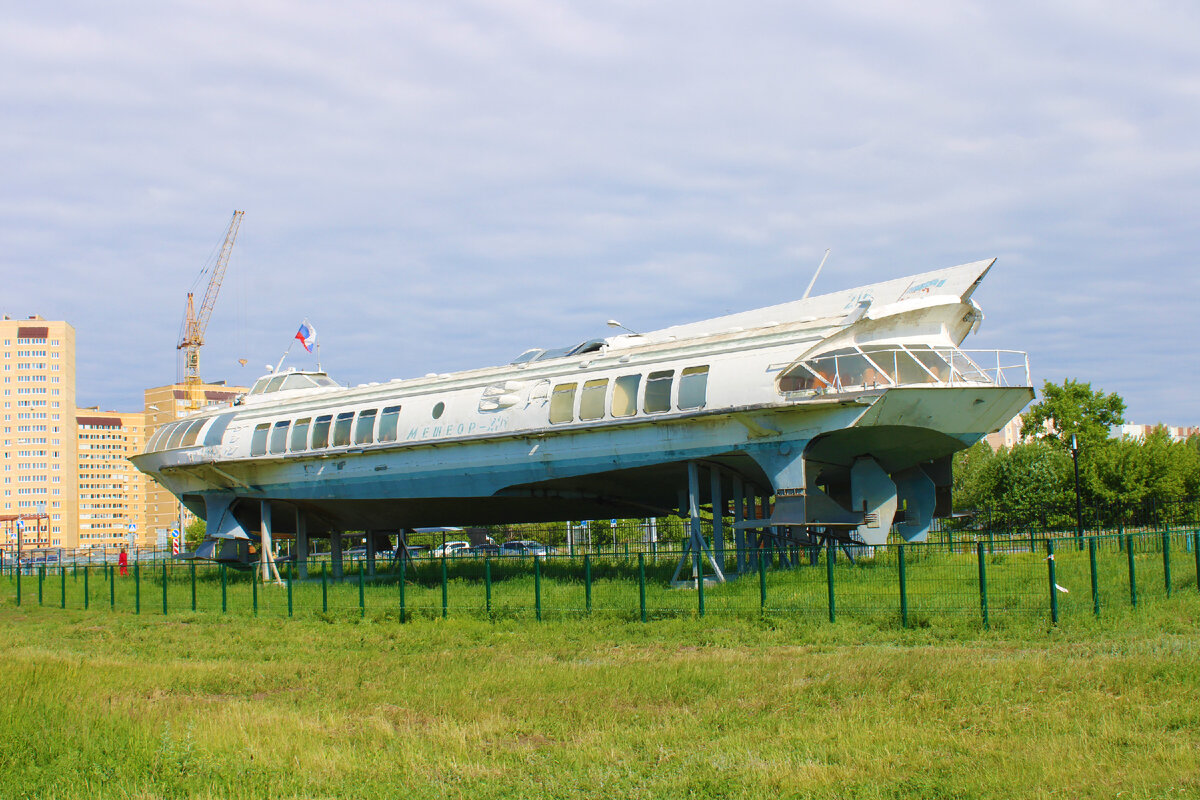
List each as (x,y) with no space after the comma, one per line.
(815,274)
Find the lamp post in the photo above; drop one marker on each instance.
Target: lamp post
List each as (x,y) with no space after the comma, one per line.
(1078,505)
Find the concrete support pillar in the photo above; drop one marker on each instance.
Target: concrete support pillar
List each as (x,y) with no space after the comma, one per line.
(301,544)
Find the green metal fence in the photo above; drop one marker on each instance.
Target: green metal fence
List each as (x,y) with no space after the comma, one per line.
(904,584)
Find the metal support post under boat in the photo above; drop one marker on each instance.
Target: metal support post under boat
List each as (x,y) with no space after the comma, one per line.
(739,535)
(695,549)
(766,535)
(301,544)
(718,512)
(265,546)
(335,553)
(401,553)
(371,553)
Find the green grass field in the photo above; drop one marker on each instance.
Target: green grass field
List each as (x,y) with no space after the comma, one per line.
(103,704)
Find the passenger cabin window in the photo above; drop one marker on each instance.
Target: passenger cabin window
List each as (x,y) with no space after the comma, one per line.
(658,392)
(562,403)
(159,434)
(591,399)
(177,435)
(258,442)
(279,437)
(388,423)
(193,430)
(341,429)
(624,398)
(300,435)
(321,432)
(364,429)
(693,386)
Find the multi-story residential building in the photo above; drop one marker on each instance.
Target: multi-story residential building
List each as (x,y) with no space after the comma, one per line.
(165,404)
(37,433)
(112,493)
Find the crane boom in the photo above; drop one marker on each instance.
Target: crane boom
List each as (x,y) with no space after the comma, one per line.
(196,323)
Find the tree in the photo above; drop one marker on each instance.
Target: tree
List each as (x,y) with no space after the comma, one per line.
(1131,472)
(193,535)
(1073,408)
(1031,483)
(970,466)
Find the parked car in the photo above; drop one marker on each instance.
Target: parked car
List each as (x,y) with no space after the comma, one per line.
(449,549)
(356,553)
(525,547)
(481,550)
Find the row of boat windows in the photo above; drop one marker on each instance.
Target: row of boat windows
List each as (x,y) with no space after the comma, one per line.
(594,396)
(371,426)
(326,430)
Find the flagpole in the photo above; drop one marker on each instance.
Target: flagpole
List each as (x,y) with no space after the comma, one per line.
(286,353)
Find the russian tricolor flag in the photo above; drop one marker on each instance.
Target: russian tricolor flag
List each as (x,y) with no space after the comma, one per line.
(307,335)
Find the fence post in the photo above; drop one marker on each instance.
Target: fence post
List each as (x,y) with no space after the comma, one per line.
(699,567)
(164,563)
(224,591)
(983,597)
(86,599)
(642,584)
(762,586)
(1053,582)
(829,556)
(1095,575)
(325,588)
(41,580)
(62,575)
(903,588)
(137,586)
(192,564)
(587,582)
(445,590)
(112,590)
(1166,542)
(403,615)
(289,587)
(1195,552)
(362,588)
(537,588)
(1132,571)
(17,567)
(487,584)
(254,592)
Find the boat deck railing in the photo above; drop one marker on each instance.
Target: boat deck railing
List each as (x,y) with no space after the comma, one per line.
(889,366)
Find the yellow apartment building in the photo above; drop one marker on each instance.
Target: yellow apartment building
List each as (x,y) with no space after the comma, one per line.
(37,440)
(112,493)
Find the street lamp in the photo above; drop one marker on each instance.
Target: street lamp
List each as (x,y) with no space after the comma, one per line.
(612,323)
(1078,506)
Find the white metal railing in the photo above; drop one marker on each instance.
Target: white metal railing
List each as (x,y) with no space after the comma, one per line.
(886,366)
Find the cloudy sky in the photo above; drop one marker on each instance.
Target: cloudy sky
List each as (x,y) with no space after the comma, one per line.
(442,185)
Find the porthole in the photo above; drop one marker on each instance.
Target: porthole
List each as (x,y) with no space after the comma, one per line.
(438,409)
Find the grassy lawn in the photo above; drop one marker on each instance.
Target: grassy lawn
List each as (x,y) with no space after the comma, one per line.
(102,704)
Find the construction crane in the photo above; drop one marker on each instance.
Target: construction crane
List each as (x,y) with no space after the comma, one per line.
(194,325)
